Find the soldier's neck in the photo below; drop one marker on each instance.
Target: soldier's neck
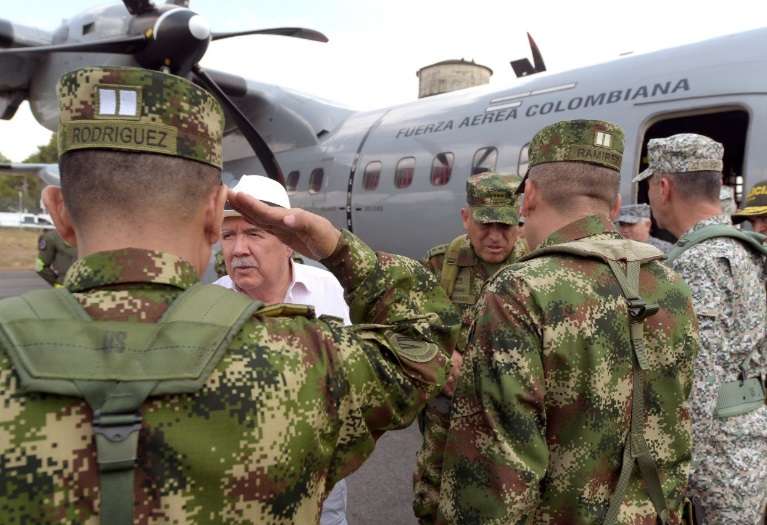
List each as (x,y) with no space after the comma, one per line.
(685,215)
(181,242)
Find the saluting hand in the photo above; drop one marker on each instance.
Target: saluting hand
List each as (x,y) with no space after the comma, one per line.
(303,231)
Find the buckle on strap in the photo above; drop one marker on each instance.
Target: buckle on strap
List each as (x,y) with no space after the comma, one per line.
(116,440)
(640,310)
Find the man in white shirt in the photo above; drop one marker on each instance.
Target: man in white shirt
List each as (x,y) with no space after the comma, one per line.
(261,266)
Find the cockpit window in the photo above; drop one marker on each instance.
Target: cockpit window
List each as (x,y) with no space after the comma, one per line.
(441,168)
(484,160)
(403,175)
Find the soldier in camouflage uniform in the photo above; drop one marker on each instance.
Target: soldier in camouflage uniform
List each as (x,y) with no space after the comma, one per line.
(634,223)
(293,403)
(727,281)
(570,349)
(755,209)
(491,241)
(54,257)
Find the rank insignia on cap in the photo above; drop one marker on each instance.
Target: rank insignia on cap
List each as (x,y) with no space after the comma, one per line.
(118,101)
(603,139)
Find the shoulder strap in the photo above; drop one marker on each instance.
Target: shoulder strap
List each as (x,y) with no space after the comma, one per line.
(752,240)
(605,249)
(450,265)
(115,366)
(636,449)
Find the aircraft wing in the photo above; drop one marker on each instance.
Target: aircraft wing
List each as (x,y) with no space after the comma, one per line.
(48,173)
(16,71)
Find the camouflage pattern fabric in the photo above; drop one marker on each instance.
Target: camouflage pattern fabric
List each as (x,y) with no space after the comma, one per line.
(633,213)
(662,245)
(492,198)
(54,257)
(593,141)
(436,415)
(682,153)
(134,109)
(729,468)
(295,405)
(219,264)
(542,407)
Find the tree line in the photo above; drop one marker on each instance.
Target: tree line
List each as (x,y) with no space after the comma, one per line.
(30,186)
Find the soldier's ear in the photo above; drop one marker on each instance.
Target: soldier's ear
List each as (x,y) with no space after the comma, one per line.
(53,199)
(616,208)
(465,215)
(214,214)
(530,198)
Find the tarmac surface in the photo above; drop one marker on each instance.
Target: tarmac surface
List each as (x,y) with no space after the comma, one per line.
(379,493)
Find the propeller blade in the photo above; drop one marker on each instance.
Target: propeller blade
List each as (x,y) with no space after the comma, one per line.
(295,32)
(139,7)
(259,145)
(122,45)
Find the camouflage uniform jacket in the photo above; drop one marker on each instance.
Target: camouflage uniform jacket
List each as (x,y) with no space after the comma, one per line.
(728,290)
(473,272)
(542,407)
(295,405)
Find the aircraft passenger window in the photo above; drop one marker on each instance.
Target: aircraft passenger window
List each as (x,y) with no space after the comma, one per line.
(372,176)
(403,175)
(484,160)
(524,160)
(315,180)
(292,182)
(441,169)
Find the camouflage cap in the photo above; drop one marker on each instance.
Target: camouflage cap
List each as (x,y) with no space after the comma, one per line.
(491,198)
(682,153)
(756,203)
(592,141)
(134,109)
(633,213)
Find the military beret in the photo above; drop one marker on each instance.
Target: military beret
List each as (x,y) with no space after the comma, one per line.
(491,198)
(682,153)
(633,213)
(756,203)
(591,141)
(134,109)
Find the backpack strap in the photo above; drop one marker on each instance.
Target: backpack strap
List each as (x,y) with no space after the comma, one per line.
(116,366)
(635,451)
(450,264)
(753,240)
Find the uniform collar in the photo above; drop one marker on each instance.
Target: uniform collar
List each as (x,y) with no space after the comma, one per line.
(584,227)
(129,265)
(711,221)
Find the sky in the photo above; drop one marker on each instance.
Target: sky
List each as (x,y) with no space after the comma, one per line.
(376,47)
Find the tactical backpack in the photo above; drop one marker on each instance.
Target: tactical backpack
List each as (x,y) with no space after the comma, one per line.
(614,252)
(56,348)
(746,393)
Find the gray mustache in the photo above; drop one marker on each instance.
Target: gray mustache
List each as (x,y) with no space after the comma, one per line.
(244,262)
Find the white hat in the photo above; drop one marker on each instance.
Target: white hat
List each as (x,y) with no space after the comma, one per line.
(262,188)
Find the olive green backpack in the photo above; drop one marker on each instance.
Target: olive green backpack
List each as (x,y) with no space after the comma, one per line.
(56,348)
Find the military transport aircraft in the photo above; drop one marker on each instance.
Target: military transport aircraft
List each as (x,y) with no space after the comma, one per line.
(396,175)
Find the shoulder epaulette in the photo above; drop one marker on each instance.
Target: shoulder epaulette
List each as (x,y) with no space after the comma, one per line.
(440,249)
(286,310)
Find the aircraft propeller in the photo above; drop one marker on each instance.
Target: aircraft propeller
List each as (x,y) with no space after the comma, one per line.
(174,38)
